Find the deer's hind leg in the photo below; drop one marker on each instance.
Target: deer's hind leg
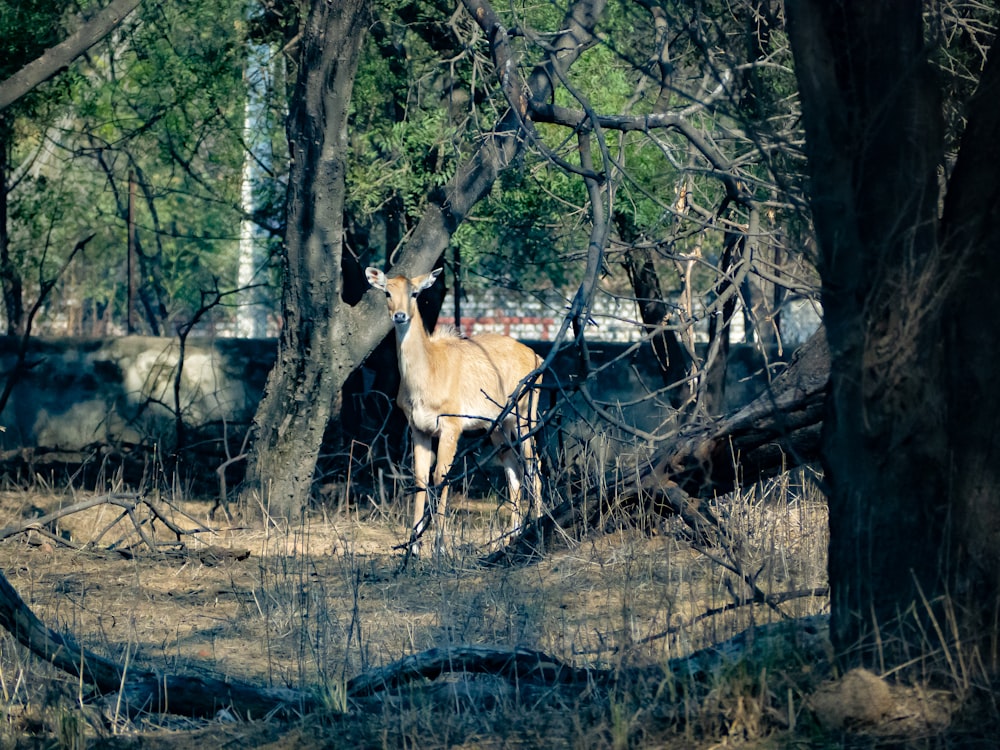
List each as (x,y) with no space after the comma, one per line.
(505,439)
(527,420)
(447,447)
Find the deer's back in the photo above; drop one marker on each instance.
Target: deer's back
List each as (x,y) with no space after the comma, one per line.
(468,377)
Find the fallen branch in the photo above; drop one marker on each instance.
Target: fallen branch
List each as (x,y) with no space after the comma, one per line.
(518,665)
(777,431)
(127,501)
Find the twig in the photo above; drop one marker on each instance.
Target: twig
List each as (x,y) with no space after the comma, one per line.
(127,502)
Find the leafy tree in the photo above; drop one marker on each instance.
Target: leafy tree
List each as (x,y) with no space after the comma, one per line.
(156,105)
(26,30)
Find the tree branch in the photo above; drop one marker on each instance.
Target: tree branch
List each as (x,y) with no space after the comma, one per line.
(55,59)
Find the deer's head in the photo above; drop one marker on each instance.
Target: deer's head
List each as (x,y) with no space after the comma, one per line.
(401,292)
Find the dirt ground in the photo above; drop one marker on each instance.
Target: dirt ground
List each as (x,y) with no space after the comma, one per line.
(312,606)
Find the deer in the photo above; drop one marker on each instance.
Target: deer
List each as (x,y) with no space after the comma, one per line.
(451,384)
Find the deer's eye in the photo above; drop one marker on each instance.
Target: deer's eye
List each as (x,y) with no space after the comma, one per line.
(387,295)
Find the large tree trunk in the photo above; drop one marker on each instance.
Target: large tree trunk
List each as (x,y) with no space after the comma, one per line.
(311,366)
(971,244)
(908,351)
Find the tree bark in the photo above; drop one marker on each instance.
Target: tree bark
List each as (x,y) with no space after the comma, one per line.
(315,343)
(970,238)
(909,437)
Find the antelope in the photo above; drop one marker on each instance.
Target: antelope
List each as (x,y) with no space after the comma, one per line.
(450,385)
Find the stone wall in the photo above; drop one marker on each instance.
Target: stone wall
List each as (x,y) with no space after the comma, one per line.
(82,393)
(78,393)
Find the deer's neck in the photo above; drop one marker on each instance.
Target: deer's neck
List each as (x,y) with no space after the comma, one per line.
(413,348)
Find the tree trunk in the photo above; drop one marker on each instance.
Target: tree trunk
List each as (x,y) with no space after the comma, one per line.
(10,274)
(971,243)
(311,365)
(712,389)
(672,360)
(908,443)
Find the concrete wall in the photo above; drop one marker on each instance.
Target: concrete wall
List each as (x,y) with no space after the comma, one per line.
(79,393)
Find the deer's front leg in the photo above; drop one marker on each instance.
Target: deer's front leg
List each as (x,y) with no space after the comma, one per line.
(423,454)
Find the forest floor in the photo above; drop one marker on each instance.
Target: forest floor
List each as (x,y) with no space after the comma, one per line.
(315,605)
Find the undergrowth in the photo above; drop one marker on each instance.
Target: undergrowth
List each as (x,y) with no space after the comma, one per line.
(327,599)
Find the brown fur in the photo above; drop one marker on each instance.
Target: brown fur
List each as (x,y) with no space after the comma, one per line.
(450,385)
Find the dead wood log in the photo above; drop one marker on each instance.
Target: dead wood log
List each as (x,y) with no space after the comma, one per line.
(202,696)
(518,665)
(775,432)
(804,639)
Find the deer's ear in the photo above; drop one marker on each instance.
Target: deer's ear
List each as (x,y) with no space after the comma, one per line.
(376,278)
(426,281)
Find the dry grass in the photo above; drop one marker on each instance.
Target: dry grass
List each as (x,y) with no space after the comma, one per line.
(321,602)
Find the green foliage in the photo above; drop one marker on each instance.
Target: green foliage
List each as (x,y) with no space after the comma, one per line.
(404,159)
(162,98)
(27,28)
(523,232)
(406,140)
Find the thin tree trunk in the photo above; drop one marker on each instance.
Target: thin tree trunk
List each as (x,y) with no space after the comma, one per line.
(251,315)
(10,274)
(712,389)
(671,358)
